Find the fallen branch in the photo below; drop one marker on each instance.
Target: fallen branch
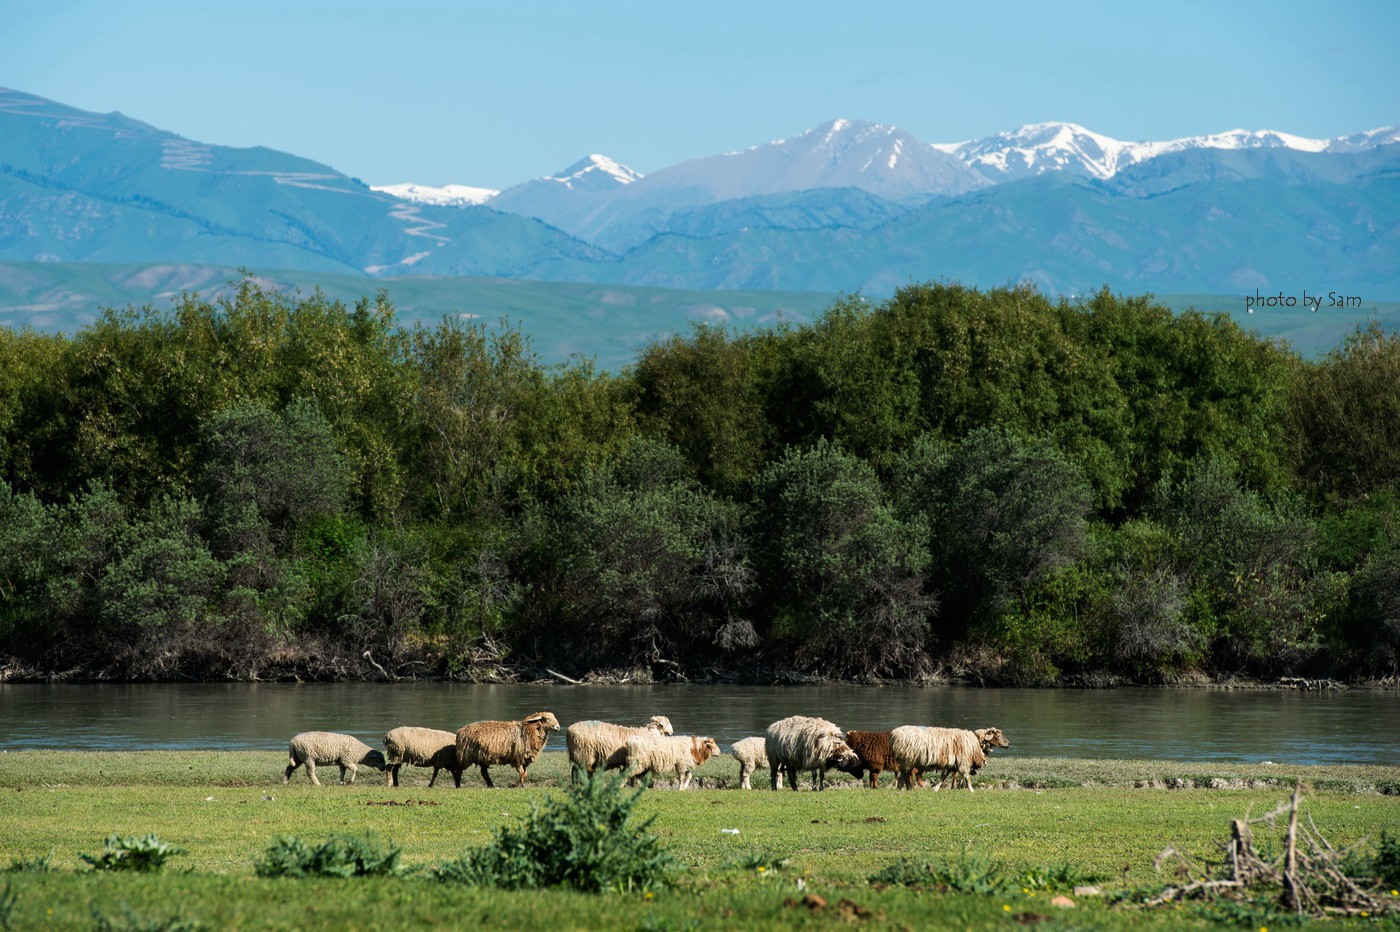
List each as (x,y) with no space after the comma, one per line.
(570,680)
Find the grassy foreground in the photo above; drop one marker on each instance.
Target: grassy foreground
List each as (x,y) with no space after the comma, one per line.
(1108,818)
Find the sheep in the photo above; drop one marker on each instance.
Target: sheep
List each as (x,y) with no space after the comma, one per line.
(952,751)
(803,743)
(325,747)
(680,754)
(751,756)
(421,747)
(515,744)
(873,749)
(593,744)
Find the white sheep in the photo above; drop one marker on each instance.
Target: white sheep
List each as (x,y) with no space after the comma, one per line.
(326,747)
(751,756)
(800,742)
(421,747)
(678,754)
(593,744)
(954,752)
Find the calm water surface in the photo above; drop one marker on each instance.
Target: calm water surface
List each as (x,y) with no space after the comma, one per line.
(1165,724)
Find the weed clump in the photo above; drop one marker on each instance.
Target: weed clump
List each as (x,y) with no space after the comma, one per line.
(141,853)
(340,855)
(129,921)
(585,839)
(968,872)
(39,864)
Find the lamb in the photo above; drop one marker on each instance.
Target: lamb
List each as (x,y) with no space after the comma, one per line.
(421,747)
(593,744)
(751,756)
(803,743)
(873,749)
(952,751)
(513,744)
(325,747)
(680,754)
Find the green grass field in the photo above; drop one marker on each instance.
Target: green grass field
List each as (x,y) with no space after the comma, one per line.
(1105,817)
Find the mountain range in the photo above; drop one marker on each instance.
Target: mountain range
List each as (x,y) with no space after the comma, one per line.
(845,206)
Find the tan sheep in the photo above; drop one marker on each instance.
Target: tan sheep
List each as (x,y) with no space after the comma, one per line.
(954,752)
(678,754)
(593,744)
(506,744)
(801,742)
(421,747)
(327,747)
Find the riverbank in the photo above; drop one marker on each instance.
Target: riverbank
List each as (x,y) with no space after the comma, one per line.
(1108,820)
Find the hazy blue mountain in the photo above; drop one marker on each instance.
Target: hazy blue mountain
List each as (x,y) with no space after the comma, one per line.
(879,160)
(83,186)
(819,209)
(1068,235)
(565,200)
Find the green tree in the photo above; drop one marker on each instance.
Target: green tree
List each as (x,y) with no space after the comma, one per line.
(843,573)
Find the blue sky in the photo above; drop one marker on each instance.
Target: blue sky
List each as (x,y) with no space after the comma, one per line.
(495,93)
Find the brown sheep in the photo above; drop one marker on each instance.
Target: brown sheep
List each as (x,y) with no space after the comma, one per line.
(512,744)
(873,749)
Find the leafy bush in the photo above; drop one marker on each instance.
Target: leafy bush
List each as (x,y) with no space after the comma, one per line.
(142,853)
(1383,867)
(8,898)
(966,873)
(584,839)
(340,855)
(757,860)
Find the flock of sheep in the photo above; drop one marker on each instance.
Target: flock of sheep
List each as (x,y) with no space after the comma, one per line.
(792,745)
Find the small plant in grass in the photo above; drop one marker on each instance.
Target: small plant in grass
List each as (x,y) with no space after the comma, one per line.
(129,921)
(39,864)
(585,839)
(144,853)
(1060,876)
(8,899)
(1383,867)
(340,855)
(968,872)
(755,861)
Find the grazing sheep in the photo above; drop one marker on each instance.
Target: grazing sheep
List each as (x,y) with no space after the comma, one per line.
(511,744)
(593,744)
(679,754)
(951,751)
(421,747)
(873,749)
(751,756)
(325,747)
(803,743)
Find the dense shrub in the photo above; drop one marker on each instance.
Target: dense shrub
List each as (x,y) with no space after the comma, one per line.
(585,838)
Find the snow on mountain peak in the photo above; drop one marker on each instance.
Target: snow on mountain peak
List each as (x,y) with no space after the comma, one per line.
(592,170)
(448,195)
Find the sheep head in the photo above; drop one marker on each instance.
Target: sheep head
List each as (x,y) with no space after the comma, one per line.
(375,759)
(702,749)
(844,759)
(991,738)
(546,719)
(659,724)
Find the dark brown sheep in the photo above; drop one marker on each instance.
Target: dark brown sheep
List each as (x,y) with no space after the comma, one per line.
(873,749)
(515,744)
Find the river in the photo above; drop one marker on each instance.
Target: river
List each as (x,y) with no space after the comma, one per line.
(1284,726)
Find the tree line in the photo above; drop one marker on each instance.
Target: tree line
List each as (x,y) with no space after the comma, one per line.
(985,484)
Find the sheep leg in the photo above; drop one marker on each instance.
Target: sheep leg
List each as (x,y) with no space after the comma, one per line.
(353,772)
(486,775)
(391,774)
(311,772)
(744,772)
(874,779)
(966,776)
(433,778)
(520,770)
(292,765)
(792,778)
(773,769)
(457,777)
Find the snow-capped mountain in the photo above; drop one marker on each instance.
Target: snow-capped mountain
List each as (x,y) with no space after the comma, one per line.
(449,195)
(564,199)
(1037,148)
